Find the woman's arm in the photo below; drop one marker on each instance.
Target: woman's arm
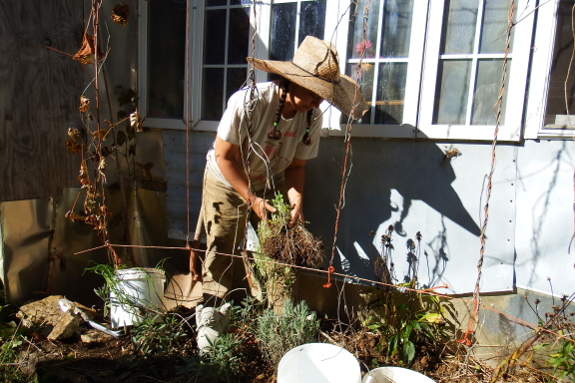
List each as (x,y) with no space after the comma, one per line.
(228,158)
(295,179)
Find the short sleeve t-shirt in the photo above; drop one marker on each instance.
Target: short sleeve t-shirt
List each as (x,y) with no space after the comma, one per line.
(269,157)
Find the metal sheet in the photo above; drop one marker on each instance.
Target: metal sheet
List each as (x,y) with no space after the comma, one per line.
(404,184)
(545,253)
(175,158)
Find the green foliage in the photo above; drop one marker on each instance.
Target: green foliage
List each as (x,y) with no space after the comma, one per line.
(409,324)
(562,360)
(157,334)
(277,334)
(9,369)
(277,221)
(219,363)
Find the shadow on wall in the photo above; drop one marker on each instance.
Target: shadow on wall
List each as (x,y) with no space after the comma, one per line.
(412,168)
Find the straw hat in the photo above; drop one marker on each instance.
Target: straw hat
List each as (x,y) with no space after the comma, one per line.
(315,66)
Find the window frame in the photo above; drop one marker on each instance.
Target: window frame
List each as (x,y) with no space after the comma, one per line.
(410,112)
(543,50)
(520,57)
(420,84)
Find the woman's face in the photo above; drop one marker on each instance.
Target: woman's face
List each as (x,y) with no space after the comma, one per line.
(301,99)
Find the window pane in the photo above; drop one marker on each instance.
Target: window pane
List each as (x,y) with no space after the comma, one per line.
(225,65)
(236,79)
(366,86)
(283,31)
(166,58)
(312,19)
(215,41)
(391,92)
(214,3)
(487,92)
(494,26)
(396,28)
(356,29)
(459,27)
(213,89)
(452,91)
(239,35)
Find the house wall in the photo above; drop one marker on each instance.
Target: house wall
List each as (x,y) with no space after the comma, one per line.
(404,184)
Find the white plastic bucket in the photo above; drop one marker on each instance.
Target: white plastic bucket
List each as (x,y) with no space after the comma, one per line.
(318,363)
(136,288)
(395,375)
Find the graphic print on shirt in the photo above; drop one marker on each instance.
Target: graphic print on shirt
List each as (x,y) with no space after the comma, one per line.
(277,162)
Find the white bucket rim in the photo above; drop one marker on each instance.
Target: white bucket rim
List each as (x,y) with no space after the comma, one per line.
(137,272)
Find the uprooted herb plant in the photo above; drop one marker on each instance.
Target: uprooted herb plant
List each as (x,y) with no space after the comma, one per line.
(285,244)
(293,245)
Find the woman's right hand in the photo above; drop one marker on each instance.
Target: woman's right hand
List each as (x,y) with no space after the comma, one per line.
(261,208)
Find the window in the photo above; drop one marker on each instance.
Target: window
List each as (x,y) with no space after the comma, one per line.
(551,102)
(429,68)
(462,72)
(162,68)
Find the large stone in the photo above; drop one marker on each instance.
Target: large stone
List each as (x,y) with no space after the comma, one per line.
(66,326)
(46,312)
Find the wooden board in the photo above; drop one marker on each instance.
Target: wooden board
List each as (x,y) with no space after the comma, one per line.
(39,93)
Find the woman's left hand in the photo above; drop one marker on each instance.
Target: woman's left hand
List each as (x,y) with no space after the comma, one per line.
(296,214)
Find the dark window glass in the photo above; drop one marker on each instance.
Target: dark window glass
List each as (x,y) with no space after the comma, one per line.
(215,36)
(239,36)
(283,31)
(312,20)
(166,58)
(212,93)
(559,84)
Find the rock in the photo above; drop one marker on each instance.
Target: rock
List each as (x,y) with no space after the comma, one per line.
(95,336)
(66,326)
(46,311)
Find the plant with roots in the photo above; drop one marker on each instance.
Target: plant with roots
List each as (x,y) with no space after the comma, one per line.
(287,245)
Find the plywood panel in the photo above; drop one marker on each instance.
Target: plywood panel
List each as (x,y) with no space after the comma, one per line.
(39,94)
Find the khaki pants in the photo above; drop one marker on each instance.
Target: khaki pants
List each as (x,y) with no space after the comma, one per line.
(224,222)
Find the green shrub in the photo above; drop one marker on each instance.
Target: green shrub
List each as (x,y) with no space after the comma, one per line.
(277,334)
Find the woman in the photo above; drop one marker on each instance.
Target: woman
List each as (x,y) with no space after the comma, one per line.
(264,139)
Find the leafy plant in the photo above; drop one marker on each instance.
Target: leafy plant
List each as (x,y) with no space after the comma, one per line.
(9,368)
(113,287)
(408,325)
(404,318)
(157,334)
(277,334)
(219,363)
(560,352)
(562,359)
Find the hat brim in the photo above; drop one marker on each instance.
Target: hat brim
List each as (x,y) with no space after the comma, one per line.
(345,95)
